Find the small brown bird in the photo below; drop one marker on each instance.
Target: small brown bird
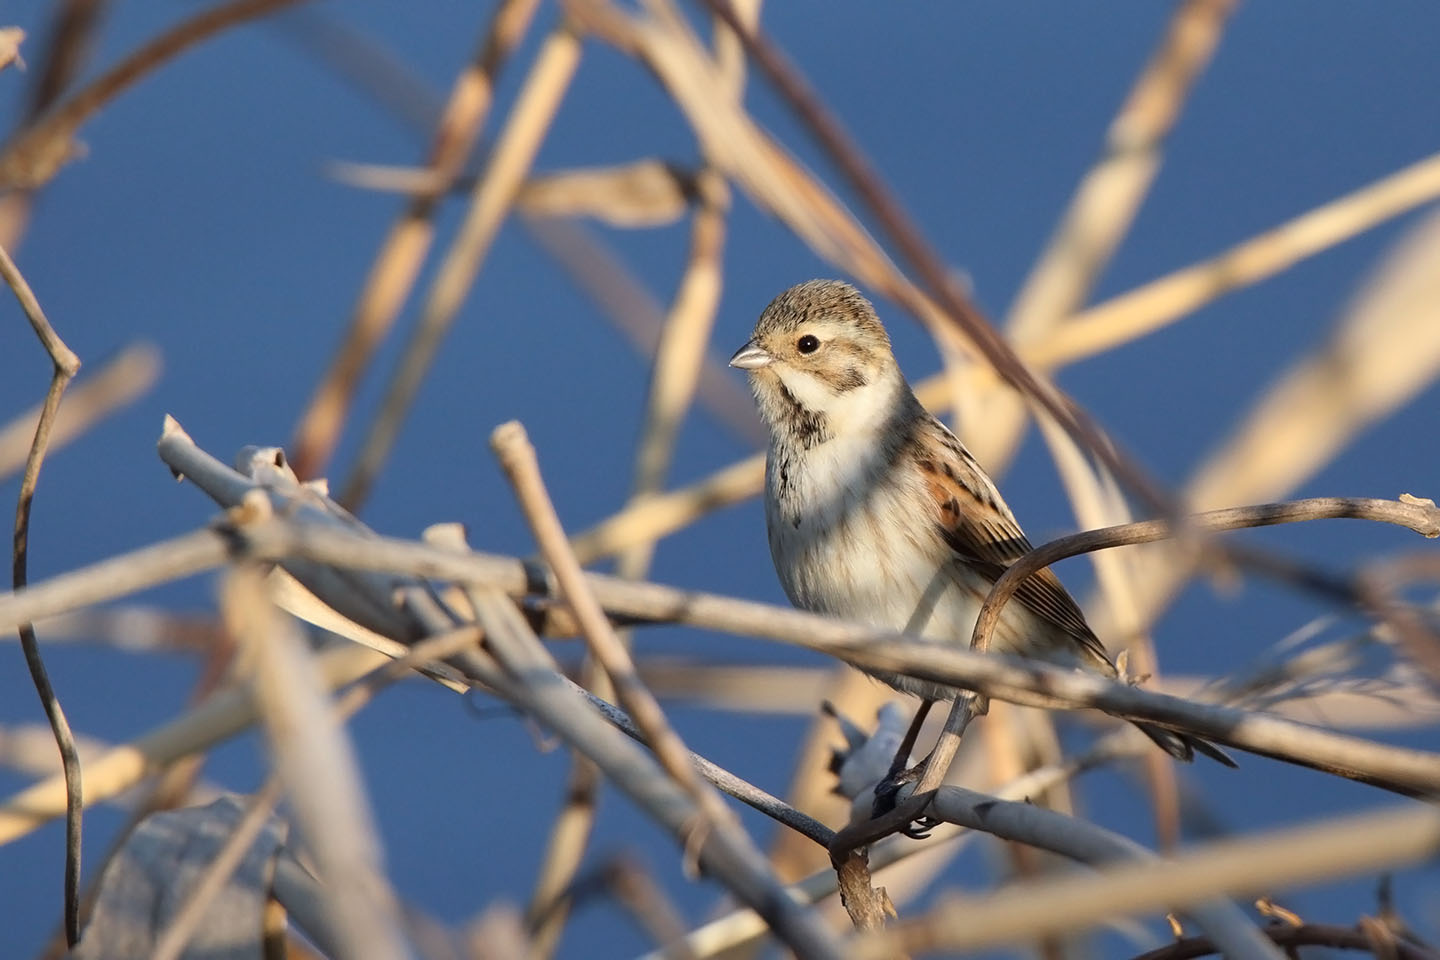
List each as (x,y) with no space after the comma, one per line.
(877,513)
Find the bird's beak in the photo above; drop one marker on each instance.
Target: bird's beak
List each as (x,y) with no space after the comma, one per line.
(752,356)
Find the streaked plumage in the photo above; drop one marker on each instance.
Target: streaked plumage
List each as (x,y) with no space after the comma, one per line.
(876,512)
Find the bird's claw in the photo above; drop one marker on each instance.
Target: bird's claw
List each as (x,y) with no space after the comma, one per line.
(887,798)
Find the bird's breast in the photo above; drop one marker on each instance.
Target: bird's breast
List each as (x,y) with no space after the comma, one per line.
(847,541)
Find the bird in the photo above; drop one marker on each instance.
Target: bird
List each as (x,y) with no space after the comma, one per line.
(876,512)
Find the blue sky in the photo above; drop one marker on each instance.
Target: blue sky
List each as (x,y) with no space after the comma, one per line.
(201,219)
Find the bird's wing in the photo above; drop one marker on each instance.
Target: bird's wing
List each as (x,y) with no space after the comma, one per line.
(982,533)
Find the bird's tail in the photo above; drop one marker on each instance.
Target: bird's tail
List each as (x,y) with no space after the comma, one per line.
(1184,746)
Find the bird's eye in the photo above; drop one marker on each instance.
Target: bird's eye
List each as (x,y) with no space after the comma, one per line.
(808,343)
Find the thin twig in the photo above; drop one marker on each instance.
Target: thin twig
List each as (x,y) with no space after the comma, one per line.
(97,395)
(66,364)
(397,262)
(1149,307)
(1416,516)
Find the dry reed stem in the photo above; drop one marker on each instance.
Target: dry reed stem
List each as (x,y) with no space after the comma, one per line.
(1384,350)
(69,42)
(518,459)
(397,263)
(1151,306)
(1307,854)
(642,193)
(65,364)
(666,513)
(569,837)
(515,149)
(679,359)
(10,40)
(1110,194)
(312,758)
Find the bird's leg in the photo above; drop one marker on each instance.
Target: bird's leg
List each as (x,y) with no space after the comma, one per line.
(902,755)
(887,789)
(930,772)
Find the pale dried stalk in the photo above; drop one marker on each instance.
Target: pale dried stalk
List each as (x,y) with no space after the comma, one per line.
(1296,855)
(665,513)
(679,358)
(643,193)
(1153,305)
(1105,203)
(10,40)
(517,456)
(535,108)
(313,759)
(397,262)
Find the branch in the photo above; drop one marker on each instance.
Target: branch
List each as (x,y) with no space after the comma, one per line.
(65,364)
(1087,843)
(1291,856)
(1410,772)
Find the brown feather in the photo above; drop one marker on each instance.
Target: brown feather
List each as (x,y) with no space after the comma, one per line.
(984,536)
